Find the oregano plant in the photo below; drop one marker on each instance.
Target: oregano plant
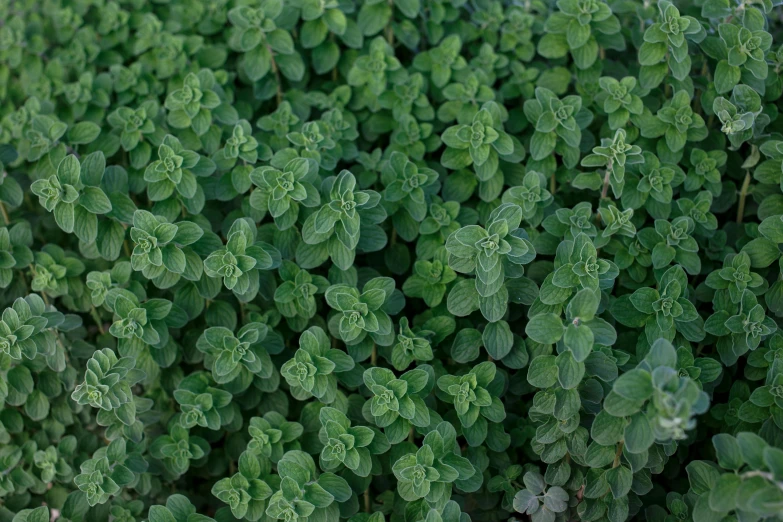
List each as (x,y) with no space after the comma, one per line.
(391,260)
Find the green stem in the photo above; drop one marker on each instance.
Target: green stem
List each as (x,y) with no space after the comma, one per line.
(367,501)
(389,29)
(277,78)
(4,212)
(334,70)
(97,319)
(743,195)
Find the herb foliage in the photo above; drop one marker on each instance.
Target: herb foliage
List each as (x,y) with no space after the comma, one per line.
(405,260)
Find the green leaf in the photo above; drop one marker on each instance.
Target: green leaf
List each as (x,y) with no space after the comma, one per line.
(606,429)
(619,480)
(635,385)
(467,345)
(160,514)
(579,339)
(723,495)
(726,77)
(752,449)
(95,201)
(498,339)
(569,371)
(727,450)
(83,132)
(545,328)
(762,252)
(542,372)
(639,435)
(702,476)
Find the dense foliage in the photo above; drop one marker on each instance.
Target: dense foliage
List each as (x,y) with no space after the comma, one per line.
(404,260)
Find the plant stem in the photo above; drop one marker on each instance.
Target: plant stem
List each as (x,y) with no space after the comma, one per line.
(617,455)
(605,189)
(367,502)
(411,435)
(552,184)
(743,195)
(705,71)
(28,200)
(374,355)
(389,28)
(334,70)
(5,213)
(125,245)
(277,79)
(765,475)
(97,319)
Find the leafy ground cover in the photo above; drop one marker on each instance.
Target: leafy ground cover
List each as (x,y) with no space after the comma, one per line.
(404,260)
